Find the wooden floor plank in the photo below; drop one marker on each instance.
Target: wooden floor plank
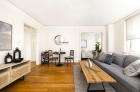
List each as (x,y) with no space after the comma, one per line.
(44,78)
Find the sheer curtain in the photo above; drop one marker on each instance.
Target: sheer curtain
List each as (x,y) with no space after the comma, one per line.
(133,34)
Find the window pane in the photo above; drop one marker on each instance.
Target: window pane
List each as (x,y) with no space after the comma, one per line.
(128,45)
(135,45)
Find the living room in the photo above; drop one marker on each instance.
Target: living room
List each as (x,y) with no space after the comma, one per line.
(62,22)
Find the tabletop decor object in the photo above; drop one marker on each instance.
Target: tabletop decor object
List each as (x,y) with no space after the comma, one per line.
(8,58)
(89,65)
(17,56)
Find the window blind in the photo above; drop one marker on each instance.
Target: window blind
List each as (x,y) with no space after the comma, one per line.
(133,28)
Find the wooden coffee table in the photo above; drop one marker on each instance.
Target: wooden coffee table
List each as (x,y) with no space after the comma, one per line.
(95,77)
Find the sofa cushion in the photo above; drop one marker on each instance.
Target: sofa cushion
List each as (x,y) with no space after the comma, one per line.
(103,65)
(129,59)
(133,69)
(131,83)
(119,59)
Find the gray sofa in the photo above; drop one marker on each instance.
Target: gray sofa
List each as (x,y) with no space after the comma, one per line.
(124,83)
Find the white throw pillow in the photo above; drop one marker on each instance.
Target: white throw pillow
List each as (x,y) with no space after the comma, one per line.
(101,56)
(132,69)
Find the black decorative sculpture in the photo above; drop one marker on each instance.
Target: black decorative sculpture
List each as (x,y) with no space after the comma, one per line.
(17,56)
(8,59)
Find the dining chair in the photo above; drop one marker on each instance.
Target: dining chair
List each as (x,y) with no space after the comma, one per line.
(44,57)
(51,57)
(71,57)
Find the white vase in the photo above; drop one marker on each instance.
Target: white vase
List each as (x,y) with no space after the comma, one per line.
(89,64)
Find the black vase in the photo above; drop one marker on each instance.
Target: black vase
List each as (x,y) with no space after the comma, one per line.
(8,58)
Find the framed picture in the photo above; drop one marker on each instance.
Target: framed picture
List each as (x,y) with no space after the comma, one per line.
(5,36)
(83,43)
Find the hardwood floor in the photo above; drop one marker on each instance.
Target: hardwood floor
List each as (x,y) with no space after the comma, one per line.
(44,78)
(33,64)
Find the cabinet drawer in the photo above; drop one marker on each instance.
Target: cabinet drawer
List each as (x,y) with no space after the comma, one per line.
(4,79)
(20,71)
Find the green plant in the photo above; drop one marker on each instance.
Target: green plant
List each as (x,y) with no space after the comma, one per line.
(98,47)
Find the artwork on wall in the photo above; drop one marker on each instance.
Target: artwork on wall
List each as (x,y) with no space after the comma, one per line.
(83,43)
(5,36)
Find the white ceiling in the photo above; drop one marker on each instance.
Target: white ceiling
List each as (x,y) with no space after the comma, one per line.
(77,12)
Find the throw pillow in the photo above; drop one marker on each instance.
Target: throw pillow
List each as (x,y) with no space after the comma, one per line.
(101,56)
(132,69)
(111,59)
(107,58)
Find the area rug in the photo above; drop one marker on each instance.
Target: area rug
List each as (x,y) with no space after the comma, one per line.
(81,85)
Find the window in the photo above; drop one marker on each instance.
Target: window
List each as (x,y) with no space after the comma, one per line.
(133,45)
(133,34)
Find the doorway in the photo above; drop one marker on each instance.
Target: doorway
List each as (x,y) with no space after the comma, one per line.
(88,41)
(30,44)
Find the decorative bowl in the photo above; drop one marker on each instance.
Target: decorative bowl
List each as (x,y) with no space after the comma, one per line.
(17,60)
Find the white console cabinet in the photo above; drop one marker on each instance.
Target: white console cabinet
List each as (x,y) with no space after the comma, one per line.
(13,71)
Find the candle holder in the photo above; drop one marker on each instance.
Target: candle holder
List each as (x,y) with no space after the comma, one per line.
(8,58)
(17,56)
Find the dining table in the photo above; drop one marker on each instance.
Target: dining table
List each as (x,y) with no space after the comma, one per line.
(59,60)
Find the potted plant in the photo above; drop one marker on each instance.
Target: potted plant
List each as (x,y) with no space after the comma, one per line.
(98,48)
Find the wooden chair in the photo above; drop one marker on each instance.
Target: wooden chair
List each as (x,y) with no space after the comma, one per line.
(70,57)
(51,57)
(44,57)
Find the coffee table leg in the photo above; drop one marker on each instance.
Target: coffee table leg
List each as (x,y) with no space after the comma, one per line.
(103,87)
(88,87)
(95,90)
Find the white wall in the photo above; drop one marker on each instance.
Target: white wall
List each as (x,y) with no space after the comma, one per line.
(14,16)
(119,37)
(71,34)
(110,38)
(91,41)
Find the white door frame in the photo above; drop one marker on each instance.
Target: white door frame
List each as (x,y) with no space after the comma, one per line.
(36,27)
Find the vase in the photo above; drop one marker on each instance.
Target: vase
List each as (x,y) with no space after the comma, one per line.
(89,64)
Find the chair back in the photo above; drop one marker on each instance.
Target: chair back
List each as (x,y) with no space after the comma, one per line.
(72,53)
(50,53)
